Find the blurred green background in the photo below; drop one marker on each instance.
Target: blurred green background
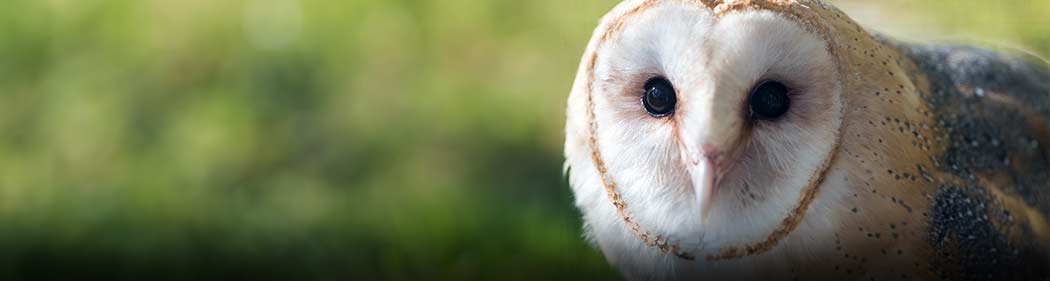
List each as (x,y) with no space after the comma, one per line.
(320,139)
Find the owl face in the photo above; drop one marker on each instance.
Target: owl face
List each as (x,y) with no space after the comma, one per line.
(709,126)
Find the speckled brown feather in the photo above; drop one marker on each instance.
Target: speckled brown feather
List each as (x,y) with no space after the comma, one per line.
(988,219)
(951,181)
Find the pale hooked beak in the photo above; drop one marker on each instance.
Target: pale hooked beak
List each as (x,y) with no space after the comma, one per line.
(704,172)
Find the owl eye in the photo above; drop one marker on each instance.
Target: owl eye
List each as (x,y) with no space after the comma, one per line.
(769,100)
(659,98)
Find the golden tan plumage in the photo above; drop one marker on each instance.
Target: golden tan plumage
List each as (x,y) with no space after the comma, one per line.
(937,168)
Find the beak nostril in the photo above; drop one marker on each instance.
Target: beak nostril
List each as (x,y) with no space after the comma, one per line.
(711,152)
(707,152)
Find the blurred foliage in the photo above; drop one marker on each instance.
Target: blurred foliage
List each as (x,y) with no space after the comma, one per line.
(1009,25)
(246,139)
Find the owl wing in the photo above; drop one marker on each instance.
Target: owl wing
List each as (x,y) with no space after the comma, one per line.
(992,109)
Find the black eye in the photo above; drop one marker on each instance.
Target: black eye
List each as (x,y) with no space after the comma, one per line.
(659,98)
(769,100)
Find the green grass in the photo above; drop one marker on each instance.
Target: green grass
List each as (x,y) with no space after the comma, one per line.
(315,139)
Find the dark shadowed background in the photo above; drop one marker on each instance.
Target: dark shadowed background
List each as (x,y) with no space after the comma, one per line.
(321,139)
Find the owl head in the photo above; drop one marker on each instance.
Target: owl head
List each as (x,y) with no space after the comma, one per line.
(695,128)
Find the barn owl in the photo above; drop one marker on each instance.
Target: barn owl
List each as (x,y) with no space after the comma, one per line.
(779,140)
